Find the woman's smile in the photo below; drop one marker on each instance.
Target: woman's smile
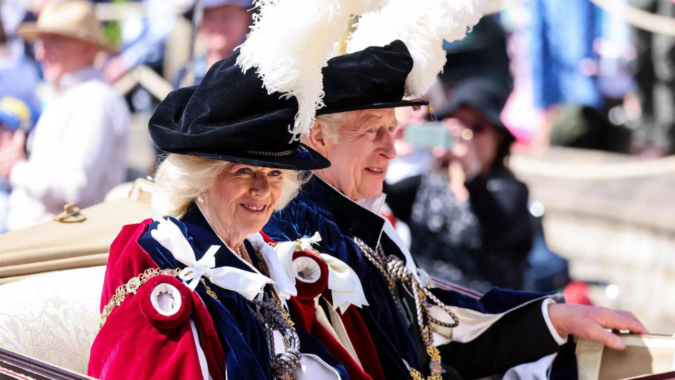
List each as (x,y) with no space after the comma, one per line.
(254,208)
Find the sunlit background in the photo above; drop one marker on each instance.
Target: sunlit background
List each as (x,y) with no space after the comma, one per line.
(591,106)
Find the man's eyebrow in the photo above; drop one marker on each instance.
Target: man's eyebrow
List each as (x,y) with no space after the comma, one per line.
(378,120)
(363,126)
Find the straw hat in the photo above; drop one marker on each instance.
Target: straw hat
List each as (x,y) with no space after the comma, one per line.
(75,19)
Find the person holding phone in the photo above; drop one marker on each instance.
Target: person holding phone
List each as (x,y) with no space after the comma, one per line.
(468,217)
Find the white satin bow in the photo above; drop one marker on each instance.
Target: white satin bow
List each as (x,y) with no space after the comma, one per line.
(344,284)
(248,284)
(342,280)
(306,244)
(283,285)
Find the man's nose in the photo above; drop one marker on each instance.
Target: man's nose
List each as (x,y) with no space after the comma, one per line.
(387,147)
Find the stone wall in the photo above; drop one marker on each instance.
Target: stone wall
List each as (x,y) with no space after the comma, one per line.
(614,222)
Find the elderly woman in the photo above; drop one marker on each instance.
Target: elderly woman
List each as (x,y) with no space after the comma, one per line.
(197,293)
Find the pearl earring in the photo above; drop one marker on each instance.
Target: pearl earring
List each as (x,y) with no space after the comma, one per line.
(200,199)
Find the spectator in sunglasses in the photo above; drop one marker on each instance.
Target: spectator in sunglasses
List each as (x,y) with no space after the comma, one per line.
(468,216)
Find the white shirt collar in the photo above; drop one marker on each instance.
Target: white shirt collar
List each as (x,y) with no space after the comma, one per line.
(71,80)
(373,204)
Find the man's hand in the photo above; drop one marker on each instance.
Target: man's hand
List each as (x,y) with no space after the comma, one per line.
(114,69)
(463,149)
(590,323)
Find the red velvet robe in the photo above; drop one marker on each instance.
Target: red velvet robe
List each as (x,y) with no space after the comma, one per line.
(136,341)
(302,311)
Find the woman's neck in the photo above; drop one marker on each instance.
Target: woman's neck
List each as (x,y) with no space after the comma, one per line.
(232,239)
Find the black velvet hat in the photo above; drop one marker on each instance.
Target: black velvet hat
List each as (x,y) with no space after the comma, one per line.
(231,117)
(369,79)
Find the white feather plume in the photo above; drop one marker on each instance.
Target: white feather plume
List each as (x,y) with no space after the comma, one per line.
(291,41)
(422,25)
(359,7)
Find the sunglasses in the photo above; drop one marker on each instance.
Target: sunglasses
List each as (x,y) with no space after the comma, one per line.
(478,128)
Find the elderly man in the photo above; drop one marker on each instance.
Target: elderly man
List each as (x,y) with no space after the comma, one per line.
(491,335)
(78,151)
(223,27)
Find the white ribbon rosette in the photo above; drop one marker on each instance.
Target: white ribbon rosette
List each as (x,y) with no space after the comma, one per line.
(248,284)
(342,280)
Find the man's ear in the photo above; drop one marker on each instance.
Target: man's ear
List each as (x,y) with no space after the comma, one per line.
(316,138)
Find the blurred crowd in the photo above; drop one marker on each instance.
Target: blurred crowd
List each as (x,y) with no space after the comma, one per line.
(535,74)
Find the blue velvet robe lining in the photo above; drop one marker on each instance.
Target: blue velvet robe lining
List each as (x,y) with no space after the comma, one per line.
(319,207)
(242,337)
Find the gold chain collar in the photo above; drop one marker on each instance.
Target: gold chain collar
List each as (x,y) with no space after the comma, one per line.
(132,287)
(135,283)
(394,271)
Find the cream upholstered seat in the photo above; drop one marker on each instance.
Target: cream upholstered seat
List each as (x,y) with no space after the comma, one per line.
(53,317)
(52,314)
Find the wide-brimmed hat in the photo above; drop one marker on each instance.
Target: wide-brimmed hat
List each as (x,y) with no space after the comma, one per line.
(231,117)
(483,95)
(373,78)
(74,19)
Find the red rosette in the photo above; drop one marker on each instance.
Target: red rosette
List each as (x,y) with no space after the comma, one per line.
(176,302)
(310,288)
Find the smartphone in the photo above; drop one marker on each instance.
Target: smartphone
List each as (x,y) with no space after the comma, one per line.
(428,136)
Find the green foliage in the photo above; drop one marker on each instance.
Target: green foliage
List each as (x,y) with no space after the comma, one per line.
(112,31)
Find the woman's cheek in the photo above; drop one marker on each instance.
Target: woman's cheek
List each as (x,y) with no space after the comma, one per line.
(277,193)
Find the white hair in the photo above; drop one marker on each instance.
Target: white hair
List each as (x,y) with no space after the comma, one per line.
(331,124)
(181,179)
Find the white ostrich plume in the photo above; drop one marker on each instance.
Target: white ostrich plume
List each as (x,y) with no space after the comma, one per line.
(291,41)
(422,25)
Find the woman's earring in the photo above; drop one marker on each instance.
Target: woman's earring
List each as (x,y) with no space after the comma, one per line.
(200,200)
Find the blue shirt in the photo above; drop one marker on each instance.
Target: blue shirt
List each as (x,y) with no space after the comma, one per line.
(562,34)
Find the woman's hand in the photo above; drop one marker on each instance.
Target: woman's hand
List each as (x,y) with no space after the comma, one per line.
(591,323)
(463,149)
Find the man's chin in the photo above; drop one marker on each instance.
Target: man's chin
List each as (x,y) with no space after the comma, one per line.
(372,190)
